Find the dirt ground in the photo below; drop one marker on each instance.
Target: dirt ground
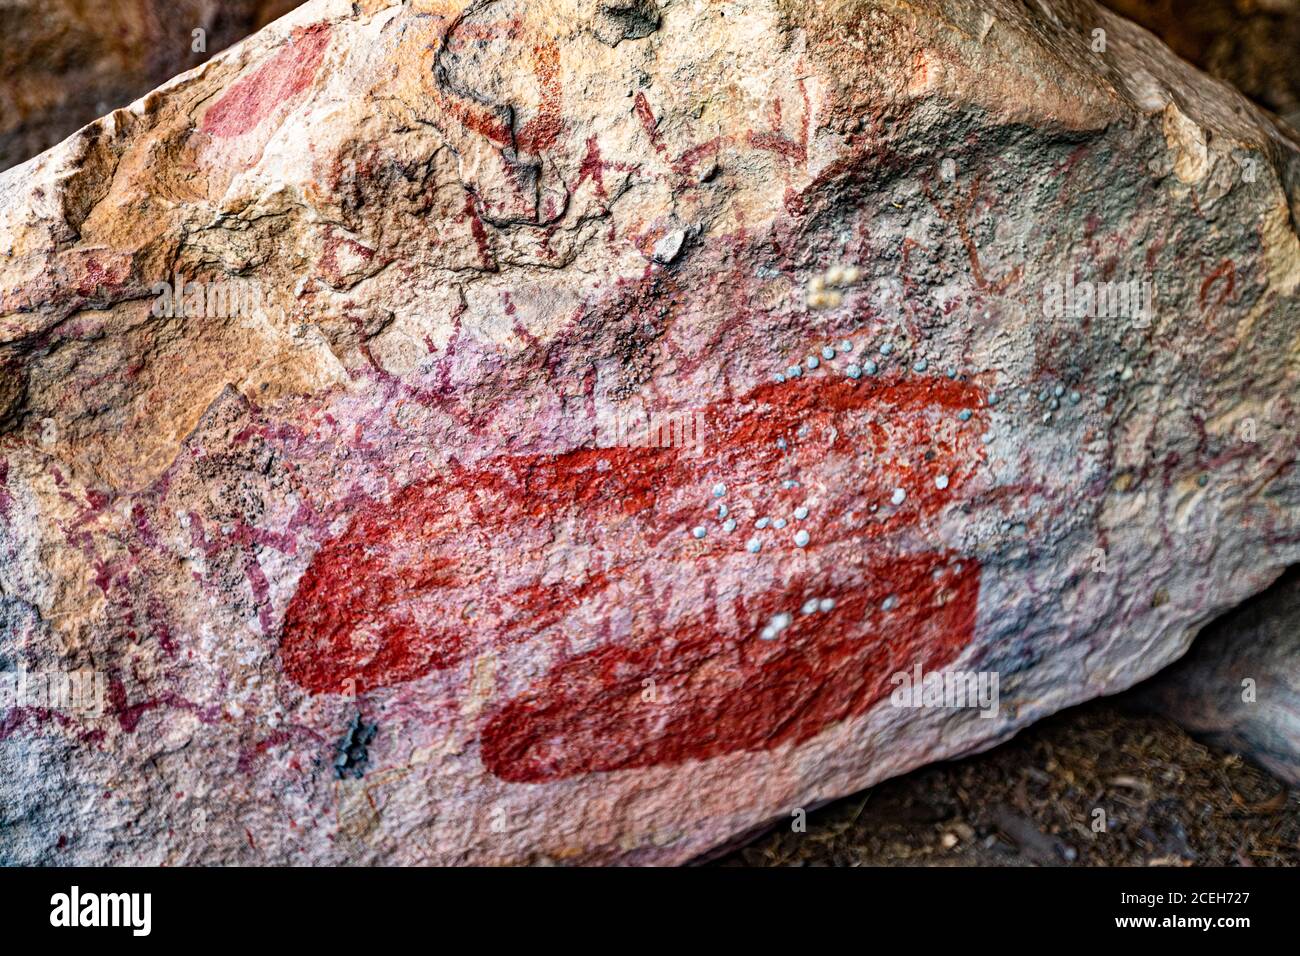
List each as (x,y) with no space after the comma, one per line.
(1168,801)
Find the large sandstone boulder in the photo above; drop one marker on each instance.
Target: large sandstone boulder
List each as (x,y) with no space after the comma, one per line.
(574,417)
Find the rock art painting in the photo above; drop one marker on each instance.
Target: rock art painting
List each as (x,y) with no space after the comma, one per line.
(272,86)
(371,609)
(442,433)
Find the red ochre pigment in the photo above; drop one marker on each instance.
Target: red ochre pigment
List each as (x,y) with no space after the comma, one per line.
(408,587)
(714,694)
(254,97)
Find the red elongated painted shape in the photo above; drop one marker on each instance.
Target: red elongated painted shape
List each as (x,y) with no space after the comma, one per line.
(408,588)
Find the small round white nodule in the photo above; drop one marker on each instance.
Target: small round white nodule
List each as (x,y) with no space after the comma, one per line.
(729,525)
(812,361)
(801,512)
(853,371)
(809,606)
(719,490)
(699,531)
(762,523)
(898,496)
(826,604)
(828,353)
(722,511)
(768,633)
(890,603)
(781,621)
(941,482)
(794,371)
(801,539)
(754,546)
(779,523)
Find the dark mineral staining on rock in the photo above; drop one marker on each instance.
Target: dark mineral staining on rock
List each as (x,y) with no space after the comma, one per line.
(618,20)
(353,749)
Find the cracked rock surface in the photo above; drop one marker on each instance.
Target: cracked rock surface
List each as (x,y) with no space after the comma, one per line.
(524,433)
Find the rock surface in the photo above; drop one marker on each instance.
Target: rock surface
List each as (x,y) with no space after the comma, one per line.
(398,535)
